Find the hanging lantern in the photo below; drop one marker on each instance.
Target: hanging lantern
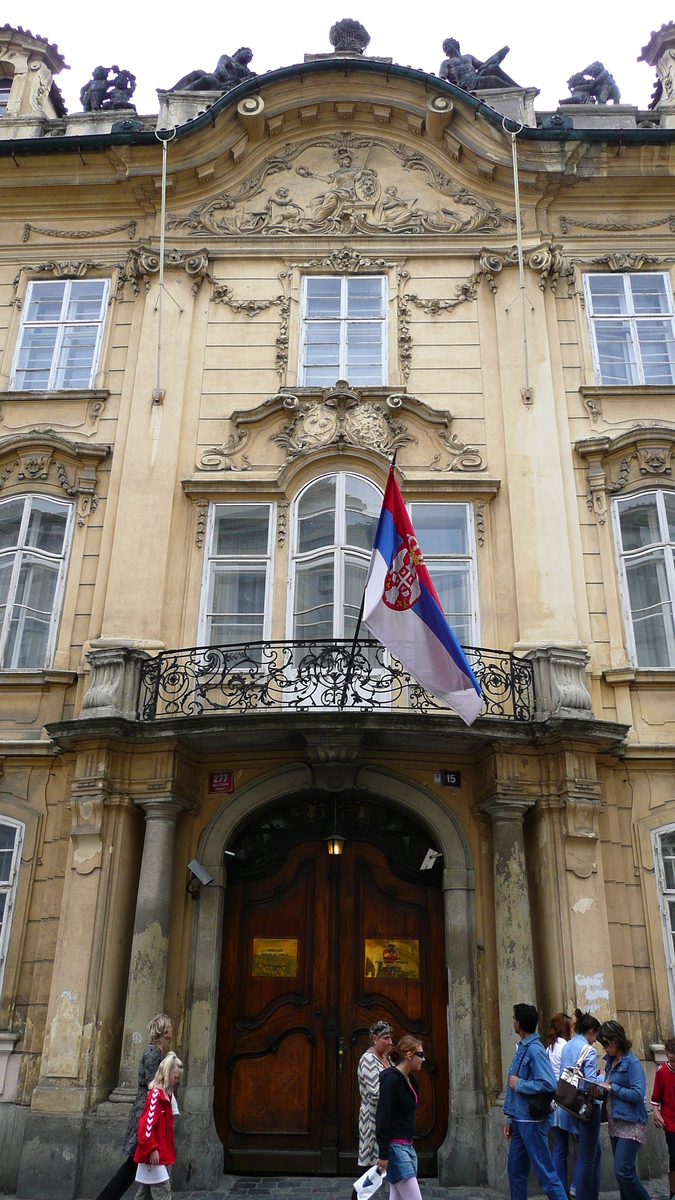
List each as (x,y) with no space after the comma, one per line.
(335,843)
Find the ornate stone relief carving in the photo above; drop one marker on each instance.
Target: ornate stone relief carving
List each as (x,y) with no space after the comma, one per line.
(342,417)
(202,516)
(222,294)
(140,264)
(479,512)
(71,269)
(50,460)
(616,226)
(353,194)
(642,454)
(79,234)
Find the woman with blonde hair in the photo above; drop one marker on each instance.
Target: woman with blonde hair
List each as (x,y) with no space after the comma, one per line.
(395,1122)
(155,1150)
(371,1065)
(160,1032)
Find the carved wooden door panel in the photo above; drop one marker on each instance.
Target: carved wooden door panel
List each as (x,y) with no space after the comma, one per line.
(392,966)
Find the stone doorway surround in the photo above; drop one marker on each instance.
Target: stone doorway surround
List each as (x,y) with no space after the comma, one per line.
(460,1156)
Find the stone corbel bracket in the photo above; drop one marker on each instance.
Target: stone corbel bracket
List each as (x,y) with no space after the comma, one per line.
(644,454)
(560,683)
(582,827)
(143,262)
(53,464)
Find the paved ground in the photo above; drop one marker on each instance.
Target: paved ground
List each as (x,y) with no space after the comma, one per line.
(275,1187)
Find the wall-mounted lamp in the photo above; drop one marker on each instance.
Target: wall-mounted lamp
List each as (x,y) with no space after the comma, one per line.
(336,840)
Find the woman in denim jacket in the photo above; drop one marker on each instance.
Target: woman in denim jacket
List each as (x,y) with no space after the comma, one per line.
(625,1085)
(586,1181)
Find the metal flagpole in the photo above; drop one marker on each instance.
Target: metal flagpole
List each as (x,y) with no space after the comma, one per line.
(350,664)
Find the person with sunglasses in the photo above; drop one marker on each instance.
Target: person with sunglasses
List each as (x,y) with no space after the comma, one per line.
(625,1084)
(395,1120)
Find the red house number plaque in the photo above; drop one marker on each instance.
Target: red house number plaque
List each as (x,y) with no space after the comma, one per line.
(221,781)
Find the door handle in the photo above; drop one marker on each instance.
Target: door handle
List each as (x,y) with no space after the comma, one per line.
(341,1056)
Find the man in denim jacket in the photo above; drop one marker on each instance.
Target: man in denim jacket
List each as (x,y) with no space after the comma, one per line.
(529,1073)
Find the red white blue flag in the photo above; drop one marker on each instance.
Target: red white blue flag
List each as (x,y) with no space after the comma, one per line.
(401,608)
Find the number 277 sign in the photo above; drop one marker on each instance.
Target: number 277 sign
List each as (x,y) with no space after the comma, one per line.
(221,781)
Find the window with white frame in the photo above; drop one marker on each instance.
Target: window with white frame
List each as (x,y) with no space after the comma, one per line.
(645,531)
(5,89)
(34,542)
(343,332)
(335,522)
(631,319)
(238,575)
(11,838)
(445,535)
(60,337)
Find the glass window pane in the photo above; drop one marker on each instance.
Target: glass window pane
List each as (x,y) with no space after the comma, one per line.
(10,523)
(651,611)
(616,354)
(6,565)
(46,301)
(316,516)
(441,528)
(322,352)
(639,522)
(86,298)
(608,295)
(76,356)
(3,901)
(363,504)
(323,296)
(668,867)
(243,529)
(35,356)
(650,294)
(364,296)
(7,840)
(47,525)
(657,350)
(451,581)
(355,582)
(314,601)
(669,499)
(237,607)
(31,615)
(364,352)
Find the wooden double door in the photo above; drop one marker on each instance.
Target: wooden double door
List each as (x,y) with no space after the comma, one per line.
(313,954)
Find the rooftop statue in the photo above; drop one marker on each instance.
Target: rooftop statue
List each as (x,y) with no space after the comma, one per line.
(594,85)
(349,36)
(470,73)
(229,72)
(102,94)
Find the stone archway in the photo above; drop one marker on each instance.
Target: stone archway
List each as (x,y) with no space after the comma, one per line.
(460,1157)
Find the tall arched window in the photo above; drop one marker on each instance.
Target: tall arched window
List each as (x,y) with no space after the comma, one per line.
(335,522)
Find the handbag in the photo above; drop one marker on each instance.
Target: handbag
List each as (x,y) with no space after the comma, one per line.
(569,1095)
(541,1104)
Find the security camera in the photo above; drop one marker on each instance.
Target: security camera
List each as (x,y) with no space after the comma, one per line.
(200,872)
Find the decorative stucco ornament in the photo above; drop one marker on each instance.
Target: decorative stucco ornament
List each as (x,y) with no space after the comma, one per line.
(348,36)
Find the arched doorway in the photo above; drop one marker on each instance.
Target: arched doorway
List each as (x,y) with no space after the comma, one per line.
(315,949)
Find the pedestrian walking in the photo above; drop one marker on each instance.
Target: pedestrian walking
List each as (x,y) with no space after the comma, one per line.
(625,1107)
(580,1051)
(160,1032)
(559,1034)
(371,1064)
(663,1105)
(531,1088)
(155,1152)
(395,1119)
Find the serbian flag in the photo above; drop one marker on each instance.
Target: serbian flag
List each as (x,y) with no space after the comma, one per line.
(401,608)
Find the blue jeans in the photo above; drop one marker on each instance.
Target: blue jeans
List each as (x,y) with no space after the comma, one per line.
(529,1148)
(625,1153)
(561,1149)
(587,1170)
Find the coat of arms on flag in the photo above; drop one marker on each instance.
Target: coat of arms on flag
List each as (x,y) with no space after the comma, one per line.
(402,586)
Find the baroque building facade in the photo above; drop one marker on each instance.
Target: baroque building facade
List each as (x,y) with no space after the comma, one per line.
(184,539)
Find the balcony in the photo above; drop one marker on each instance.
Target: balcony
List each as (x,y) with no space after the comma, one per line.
(306,675)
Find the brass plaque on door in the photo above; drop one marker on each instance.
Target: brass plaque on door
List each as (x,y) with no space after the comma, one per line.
(395,959)
(275,958)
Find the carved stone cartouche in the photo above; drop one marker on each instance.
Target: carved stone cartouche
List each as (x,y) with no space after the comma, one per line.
(468,72)
(229,73)
(349,36)
(593,85)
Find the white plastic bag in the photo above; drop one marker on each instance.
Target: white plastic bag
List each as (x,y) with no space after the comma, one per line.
(369,1182)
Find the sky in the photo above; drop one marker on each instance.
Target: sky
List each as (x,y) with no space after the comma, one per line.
(160,43)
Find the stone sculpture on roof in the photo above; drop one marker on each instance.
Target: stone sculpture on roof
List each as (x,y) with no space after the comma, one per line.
(230,71)
(102,94)
(349,36)
(468,72)
(594,85)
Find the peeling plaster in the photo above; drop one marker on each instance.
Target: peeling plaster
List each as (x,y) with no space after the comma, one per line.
(582,906)
(65,1032)
(592,993)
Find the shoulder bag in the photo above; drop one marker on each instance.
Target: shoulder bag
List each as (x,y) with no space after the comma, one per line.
(569,1094)
(541,1104)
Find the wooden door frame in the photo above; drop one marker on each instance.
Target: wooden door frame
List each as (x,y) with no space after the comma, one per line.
(461,1154)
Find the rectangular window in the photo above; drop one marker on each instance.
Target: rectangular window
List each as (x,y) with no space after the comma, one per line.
(343,330)
(60,335)
(238,582)
(445,535)
(631,318)
(34,540)
(5,89)
(663,847)
(11,837)
(645,530)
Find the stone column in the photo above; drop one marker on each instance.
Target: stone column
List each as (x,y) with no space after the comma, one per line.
(150,945)
(515,964)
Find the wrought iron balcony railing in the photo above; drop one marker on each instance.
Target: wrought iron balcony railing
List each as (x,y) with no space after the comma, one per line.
(311,675)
